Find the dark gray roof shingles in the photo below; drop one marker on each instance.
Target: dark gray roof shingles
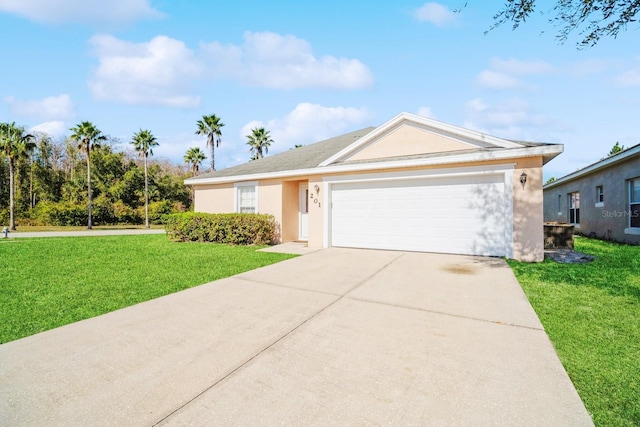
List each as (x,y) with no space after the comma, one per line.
(308,156)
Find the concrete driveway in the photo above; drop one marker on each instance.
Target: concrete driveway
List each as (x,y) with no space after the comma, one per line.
(335,337)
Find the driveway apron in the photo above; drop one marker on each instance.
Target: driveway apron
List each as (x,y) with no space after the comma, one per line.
(335,337)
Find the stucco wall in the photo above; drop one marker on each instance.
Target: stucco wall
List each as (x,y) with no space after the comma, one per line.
(270,199)
(290,211)
(528,233)
(608,221)
(213,198)
(409,140)
(316,213)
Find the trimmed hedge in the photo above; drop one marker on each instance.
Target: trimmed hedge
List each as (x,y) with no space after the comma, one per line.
(232,228)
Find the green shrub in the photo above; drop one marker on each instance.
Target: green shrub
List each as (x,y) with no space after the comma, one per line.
(4,217)
(159,208)
(234,228)
(103,211)
(61,213)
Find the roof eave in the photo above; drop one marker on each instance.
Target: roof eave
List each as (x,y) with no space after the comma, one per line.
(605,163)
(545,151)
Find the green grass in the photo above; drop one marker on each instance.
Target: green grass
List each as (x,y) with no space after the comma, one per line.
(591,312)
(50,282)
(31,228)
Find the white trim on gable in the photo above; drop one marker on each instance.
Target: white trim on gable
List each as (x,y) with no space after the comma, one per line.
(542,150)
(464,135)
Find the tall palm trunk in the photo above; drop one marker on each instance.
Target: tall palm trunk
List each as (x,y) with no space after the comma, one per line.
(213,152)
(146,193)
(12,195)
(89,223)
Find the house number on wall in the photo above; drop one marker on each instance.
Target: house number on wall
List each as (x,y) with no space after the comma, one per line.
(315,200)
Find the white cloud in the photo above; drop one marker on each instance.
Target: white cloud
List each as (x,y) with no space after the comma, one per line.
(515,66)
(50,108)
(630,77)
(503,73)
(497,80)
(514,119)
(436,14)
(308,123)
(174,147)
(425,112)
(84,12)
(285,62)
(54,128)
(155,72)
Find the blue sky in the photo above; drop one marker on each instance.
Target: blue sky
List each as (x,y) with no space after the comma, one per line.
(311,70)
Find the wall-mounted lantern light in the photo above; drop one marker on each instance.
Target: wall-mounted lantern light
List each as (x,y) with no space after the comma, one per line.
(523,179)
(317,188)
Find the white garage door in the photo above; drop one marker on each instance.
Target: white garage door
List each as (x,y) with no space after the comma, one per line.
(458,215)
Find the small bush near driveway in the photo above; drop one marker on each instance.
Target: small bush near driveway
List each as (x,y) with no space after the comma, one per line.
(591,312)
(234,228)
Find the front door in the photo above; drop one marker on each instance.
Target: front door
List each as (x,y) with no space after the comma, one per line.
(304,212)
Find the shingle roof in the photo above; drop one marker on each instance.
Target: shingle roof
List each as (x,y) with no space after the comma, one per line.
(308,156)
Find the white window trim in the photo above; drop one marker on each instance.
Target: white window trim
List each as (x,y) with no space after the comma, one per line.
(630,229)
(598,203)
(575,224)
(253,184)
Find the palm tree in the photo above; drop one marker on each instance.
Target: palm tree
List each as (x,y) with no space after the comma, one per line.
(259,140)
(194,157)
(14,144)
(211,126)
(143,142)
(88,137)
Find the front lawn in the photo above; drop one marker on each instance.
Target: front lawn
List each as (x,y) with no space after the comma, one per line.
(591,312)
(49,282)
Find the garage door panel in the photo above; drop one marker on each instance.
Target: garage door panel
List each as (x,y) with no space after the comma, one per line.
(453,215)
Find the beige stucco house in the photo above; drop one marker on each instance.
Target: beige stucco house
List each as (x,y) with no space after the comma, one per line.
(413,184)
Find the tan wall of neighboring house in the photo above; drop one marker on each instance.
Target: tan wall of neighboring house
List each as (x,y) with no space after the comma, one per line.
(217,198)
(408,140)
(528,234)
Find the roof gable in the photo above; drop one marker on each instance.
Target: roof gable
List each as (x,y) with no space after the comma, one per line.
(410,135)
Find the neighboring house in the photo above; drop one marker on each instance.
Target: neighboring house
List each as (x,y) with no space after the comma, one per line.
(411,184)
(602,199)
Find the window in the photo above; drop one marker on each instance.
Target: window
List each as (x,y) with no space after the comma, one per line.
(634,203)
(559,204)
(246,198)
(599,196)
(574,208)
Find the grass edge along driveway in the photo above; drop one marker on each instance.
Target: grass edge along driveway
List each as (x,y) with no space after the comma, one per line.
(50,282)
(591,313)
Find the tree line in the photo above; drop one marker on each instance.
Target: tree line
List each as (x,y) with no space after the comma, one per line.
(86,179)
